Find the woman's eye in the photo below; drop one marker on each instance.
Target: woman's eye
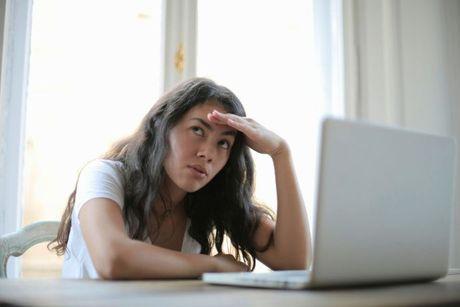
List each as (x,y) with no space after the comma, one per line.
(197,130)
(224,144)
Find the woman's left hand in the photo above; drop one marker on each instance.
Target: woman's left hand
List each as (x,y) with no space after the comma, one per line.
(258,137)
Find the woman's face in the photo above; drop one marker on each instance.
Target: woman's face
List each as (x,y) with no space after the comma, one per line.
(198,149)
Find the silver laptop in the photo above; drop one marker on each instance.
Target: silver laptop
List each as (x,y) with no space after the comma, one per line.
(383,210)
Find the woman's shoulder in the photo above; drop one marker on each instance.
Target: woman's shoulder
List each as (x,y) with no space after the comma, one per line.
(99,178)
(103,166)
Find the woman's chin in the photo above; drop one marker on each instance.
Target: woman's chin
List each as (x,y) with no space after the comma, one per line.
(191,188)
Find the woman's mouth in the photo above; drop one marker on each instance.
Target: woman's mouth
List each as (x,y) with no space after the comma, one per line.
(196,171)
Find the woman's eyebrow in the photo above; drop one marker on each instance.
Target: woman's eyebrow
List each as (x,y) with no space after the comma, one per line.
(208,126)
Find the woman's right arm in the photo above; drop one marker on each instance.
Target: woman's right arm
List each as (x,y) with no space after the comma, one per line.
(116,256)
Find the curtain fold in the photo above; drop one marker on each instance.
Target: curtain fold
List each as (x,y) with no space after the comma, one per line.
(402,68)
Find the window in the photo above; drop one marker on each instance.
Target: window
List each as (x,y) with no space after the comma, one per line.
(94,73)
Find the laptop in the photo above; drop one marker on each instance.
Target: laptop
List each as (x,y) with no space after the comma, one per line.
(383,210)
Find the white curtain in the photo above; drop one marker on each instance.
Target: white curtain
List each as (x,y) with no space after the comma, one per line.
(402,68)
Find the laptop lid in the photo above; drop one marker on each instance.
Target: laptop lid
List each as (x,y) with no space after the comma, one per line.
(384,204)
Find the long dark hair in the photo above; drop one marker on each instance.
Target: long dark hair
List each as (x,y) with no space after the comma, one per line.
(224,207)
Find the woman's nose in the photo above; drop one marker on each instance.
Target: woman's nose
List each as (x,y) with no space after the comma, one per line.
(207,152)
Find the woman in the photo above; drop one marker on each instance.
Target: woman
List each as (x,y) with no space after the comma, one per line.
(156,204)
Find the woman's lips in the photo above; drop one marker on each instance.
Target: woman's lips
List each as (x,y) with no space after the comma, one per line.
(197,172)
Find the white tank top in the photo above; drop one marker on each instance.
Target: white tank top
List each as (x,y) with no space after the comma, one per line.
(100,178)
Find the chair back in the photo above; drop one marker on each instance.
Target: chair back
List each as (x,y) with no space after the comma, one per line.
(17,243)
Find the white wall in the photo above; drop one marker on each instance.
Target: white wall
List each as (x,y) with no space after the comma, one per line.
(402,67)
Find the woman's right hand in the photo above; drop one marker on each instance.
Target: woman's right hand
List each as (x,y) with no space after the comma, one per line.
(228,263)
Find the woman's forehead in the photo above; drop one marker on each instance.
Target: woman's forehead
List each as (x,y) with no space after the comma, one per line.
(207,107)
(199,114)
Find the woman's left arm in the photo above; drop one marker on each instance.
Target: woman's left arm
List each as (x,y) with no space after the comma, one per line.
(290,247)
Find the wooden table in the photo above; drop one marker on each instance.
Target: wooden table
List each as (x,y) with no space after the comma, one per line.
(57,292)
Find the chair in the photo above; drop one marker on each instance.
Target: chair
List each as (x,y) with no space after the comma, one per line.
(17,243)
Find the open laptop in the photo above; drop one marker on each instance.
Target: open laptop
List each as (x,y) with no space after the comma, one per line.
(383,210)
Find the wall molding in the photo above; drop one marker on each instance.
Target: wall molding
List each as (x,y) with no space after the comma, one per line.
(179,27)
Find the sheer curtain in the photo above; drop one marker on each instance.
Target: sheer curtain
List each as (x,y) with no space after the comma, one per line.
(407,70)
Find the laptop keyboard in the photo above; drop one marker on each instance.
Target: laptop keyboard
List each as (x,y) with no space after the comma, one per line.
(278,276)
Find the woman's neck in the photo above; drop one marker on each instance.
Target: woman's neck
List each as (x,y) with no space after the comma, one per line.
(172,200)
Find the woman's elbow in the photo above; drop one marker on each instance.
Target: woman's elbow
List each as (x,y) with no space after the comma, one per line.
(110,264)
(108,271)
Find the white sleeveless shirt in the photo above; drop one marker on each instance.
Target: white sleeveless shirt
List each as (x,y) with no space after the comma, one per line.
(100,178)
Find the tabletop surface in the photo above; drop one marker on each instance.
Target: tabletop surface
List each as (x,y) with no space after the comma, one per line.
(61,292)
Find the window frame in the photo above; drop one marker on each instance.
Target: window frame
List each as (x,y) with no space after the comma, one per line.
(15,49)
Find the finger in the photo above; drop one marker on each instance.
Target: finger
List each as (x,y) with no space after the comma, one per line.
(234,121)
(222,120)
(216,120)
(225,116)
(242,126)
(245,267)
